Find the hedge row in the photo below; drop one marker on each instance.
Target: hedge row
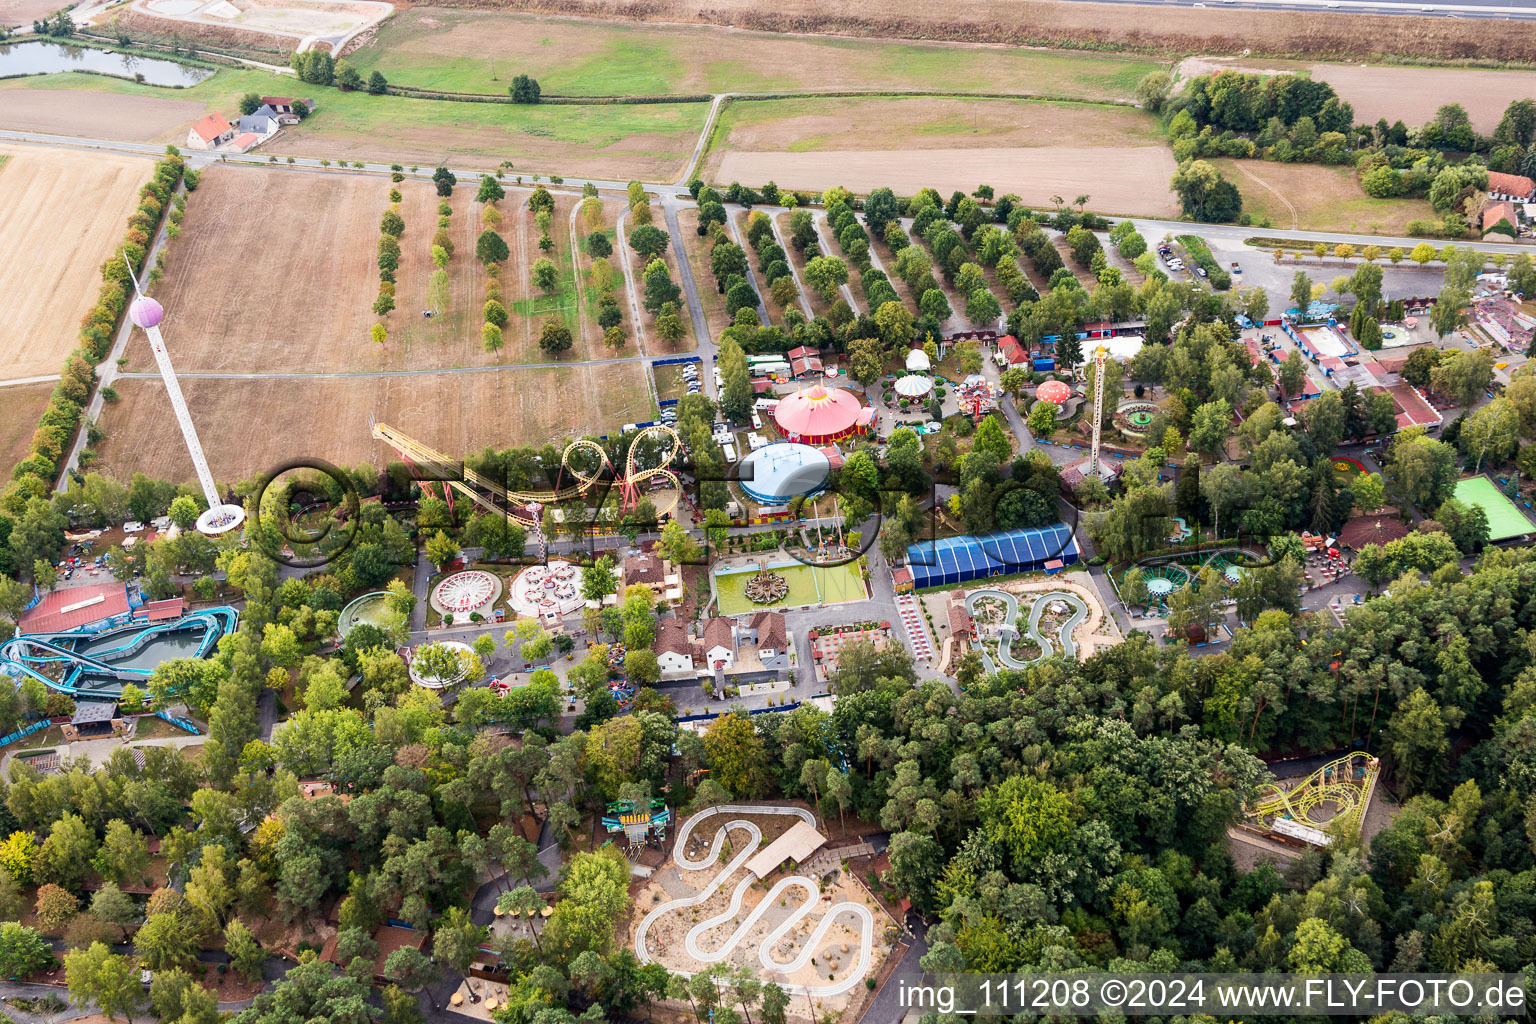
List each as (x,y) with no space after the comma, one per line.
(1195,246)
(56,429)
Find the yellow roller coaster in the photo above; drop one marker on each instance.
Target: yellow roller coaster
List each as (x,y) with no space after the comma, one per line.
(434,467)
(1346,783)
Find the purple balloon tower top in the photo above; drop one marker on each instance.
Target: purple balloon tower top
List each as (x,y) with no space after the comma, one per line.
(145,312)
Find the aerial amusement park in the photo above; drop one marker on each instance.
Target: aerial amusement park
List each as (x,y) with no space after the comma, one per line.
(90,642)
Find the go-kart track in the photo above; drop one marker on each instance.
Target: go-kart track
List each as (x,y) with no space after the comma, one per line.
(806,885)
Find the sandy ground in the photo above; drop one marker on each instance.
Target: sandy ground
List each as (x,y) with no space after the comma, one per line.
(15,13)
(1133,180)
(250,426)
(20,408)
(61,214)
(1414,94)
(837,954)
(104,116)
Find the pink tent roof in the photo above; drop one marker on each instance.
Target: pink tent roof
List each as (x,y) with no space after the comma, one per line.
(817,411)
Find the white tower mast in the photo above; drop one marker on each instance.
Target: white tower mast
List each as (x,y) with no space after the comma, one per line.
(1098,408)
(146,314)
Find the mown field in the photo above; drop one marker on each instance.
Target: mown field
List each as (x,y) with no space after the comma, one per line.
(459,50)
(649,141)
(810,124)
(1311,197)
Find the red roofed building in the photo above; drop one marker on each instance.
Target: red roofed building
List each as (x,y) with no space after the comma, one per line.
(1495,212)
(1012,352)
(78,610)
(209,133)
(161,611)
(1412,409)
(1510,186)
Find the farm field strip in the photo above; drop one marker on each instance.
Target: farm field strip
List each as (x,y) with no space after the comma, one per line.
(61,215)
(815,123)
(425,47)
(1133,180)
(328,418)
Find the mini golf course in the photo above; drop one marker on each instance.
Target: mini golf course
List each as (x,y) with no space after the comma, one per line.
(769,901)
(1006,634)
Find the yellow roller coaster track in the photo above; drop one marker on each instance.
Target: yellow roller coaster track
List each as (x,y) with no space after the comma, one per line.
(1347,782)
(476,487)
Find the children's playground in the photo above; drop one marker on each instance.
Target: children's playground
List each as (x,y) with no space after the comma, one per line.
(809,585)
(815,929)
(99,664)
(1165,575)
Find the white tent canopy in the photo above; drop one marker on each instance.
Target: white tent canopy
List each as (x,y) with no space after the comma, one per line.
(917,361)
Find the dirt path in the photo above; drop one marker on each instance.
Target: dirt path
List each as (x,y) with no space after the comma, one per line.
(1295,218)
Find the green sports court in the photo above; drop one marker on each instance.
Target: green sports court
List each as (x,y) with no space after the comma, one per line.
(1505,520)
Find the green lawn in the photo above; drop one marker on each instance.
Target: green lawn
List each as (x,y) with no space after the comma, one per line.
(540,306)
(647,141)
(428,48)
(808,585)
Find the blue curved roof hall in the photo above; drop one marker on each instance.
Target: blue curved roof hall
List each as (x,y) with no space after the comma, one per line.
(955,560)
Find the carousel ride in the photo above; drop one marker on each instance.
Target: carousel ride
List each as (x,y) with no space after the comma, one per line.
(766,587)
(552,590)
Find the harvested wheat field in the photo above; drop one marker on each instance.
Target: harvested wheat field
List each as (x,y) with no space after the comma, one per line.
(20,408)
(1118,181)
(276,271)
(1322,34)
(61,215)
(1312,197)
(16,13)
(1414,94)
(102,115)
(821,123)
(248,426)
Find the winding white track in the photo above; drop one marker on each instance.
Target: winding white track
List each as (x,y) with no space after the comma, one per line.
(806,885)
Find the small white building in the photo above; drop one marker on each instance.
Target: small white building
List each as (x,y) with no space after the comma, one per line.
(719,644)
(210,133)
(674,649)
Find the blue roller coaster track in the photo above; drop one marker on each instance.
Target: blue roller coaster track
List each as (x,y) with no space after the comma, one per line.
(96,674)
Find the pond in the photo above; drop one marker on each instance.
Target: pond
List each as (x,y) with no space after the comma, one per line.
(38,58)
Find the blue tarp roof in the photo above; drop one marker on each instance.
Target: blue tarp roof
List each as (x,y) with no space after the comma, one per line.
(957,559)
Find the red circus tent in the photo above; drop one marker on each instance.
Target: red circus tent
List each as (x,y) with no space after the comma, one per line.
(820,415)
